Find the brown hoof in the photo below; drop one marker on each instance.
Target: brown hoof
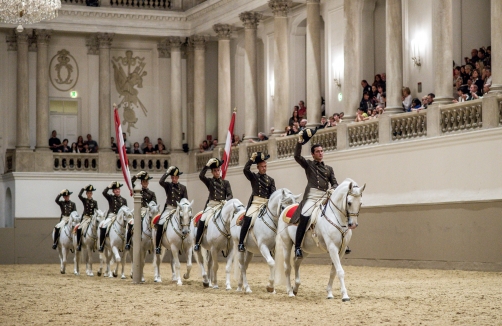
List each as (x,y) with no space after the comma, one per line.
(206,285)
(114,274)
(270,289)
(295,292)
(99,273)
(62,272)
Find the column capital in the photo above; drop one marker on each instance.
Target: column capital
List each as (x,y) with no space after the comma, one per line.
(163,49)
(224,31)
(280,8)
(198,42)
(43,35)
(92,44)
(32,43)
(250,19)
(11,40)
(22,37)
(175,43)
(105,40)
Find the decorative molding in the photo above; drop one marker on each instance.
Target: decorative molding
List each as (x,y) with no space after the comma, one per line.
(175,42)
(11,40)
(121,15)
(250,19)
(198,42)
(22,37)
(314,1)
(163,49)
(280,8)
(224,31)
(32,42)
(65,65)
(205,11)
(43,35)
(92,44)
(105,40)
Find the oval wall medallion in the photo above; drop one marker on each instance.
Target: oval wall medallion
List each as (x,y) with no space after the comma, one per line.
(63,71)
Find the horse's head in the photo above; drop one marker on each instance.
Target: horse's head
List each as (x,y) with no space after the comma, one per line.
(74,218)
(125,214)
(99,216)
(184,211)
(350,195)
(281,199)
(238,208)
(154,208)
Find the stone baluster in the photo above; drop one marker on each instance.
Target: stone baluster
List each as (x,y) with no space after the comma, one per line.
(313,59)
(394,56)
(22,113)
(105,116)
(175,117)
(43,38)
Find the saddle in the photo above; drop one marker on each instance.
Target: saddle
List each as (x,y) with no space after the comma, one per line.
(288,213)
(197,217)
(261,212)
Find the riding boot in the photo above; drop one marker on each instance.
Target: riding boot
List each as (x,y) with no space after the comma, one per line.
(128,238)
(56,238)
(200,230)
(158,238)
(79,238)
(102,239)
(300,233)
(244,231)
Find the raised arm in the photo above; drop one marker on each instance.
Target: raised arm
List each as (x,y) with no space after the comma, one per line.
(57,199)
(247,170)
(82,198)
(203,178)
(298,156)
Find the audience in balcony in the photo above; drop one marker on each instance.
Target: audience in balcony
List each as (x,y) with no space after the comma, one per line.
(64,148)
(146,140)
(324,123)
(54,142)
(302,110)
(114,145)
(236,140)
(487,78)
(127,143)
(74,148)
(365,103)
(136,149)
(406,92)
(159,149)
(86,148)
(303,124)
(476,79)
(92,144)
(261,137)
(294,118)
(475,93)
(80,143)
(428,100)
(463,95)
(377,81)
(361,115)
(416,104)
(149,149)
(159,142)
(366,87)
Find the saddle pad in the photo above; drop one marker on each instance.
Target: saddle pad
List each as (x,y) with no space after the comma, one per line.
(197,218)
(288,212)
(240,218)
(75,228)
(156,219)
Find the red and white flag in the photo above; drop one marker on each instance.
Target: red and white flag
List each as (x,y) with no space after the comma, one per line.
(228,146)
(124,162)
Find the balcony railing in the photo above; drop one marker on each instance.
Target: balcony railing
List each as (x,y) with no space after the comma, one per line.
(462,116)
(64,162)
(408,126)
(151,163)
(258,147)
(363,133)
(202,159)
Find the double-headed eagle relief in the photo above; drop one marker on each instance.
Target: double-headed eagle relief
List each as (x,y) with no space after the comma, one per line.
(126,86)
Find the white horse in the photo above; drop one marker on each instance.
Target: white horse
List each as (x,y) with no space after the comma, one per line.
(88,243)
(331,233)
(261,237)
(115,242)
(218,237)
(146,236)
(178,240)
(65,243)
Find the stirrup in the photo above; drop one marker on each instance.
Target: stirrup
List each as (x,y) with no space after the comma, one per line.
(55,246)
(241,247)
(196,247)
(298,253)
(127,246)
(158,251)
(79,248)
(347,250)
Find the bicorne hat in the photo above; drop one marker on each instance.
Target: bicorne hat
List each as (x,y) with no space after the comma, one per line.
(306,134)
(116,185)
(216,164)
(261,157)
(175,171)
(89,188)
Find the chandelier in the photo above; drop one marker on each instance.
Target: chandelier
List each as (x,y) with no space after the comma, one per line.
(23,12)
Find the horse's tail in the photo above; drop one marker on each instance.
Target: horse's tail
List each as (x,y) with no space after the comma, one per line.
(279,277)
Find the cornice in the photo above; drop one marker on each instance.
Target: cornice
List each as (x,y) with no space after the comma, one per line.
(142,15)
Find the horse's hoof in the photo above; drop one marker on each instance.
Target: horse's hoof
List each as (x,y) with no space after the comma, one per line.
(270,289)
(291,295)
(62,272)
(114,274)
(248,291)
(295,292)
(215,287)
(228,288)
(123,277)
(239,289)
(205,284)
(186,277)
(330,297)
(345,299)
(90,274)
(99,273)
(179,284)
(158,280)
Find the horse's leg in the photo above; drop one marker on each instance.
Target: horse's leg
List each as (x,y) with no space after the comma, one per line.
(88,259)
(188,252)
(142,262)
(228,268)
(265,252)
(333,252)
(298,262)
(329,288)
(214,267)
(156,263)
(76,262)
(175,262)
(248,256)
(288,244)
(62,258)
(200,262)
(122,263)
(240,259)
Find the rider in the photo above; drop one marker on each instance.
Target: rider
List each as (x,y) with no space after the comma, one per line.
(115,201)
(219,192)
(67,206)
(175,191)
(147,196)
(262,185)
(90,205)
(319,178)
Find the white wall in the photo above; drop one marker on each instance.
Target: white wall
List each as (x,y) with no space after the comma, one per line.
(476,30)
(211,88)
(380,36)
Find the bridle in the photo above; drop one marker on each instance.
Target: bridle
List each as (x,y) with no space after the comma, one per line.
(345,213)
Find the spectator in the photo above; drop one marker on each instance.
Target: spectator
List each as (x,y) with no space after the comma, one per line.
(303,124)
(379,111)
(479,66)
(146,140)
(160,149)
(324,123)
(406,99)
(343,114)
(235,140)
(476,80)
(149,149)
(366,87)
(80,143)
(159,142)
(54,142)
(377,81)
(486,89)
(384,99)
(416,104)
(302,110)
(74,148)
(114,145)
(463,95)
(467,75)
(127,143)
(136,149)
(456,76)
(475,93)
(294,118)
(86,148)
(336,119)
(474,56)
(92,144)
(204,146)
(384,80)
(488,76)
(64,147)
(294,130)
(365,102)
(213,145)
(374,95)
(379,101)
(361,115)
(261,137)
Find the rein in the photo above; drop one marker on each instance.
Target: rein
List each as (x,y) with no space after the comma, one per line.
(176,216)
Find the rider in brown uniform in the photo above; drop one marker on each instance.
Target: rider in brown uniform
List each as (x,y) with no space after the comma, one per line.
(175,192)
(67,206)
(115,201)
(147,196)
(262,185)
(90,205)
(219,191)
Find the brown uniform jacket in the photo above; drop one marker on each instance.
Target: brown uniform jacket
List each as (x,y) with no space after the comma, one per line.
(66,206)
(219,189)
(261,184)
(174,191)
(114,202)
(146,194)
(89,204)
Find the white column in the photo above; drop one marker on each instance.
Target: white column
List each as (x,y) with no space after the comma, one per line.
(442,44)
(496,29)
(280,8)
(199,86)
(190,95)
(176,117)
(43,38)
(394,56)
(224,31)
(250,20)
(351,84)
(105,109)
(313,60)
(22,116)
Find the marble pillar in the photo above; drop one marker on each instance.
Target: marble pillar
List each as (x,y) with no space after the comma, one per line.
(313,61)
(105,108)
(176,114)
(394,56)
(442,47)
(351,84)
(282,104)
(22,113)
(199,87)
(224,32)
(496,37)
(190,95)
(43,38)
(250,20)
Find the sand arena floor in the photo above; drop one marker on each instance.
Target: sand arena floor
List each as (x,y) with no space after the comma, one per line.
(40,295)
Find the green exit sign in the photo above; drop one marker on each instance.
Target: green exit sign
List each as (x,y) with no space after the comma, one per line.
(339,97)
(73,94)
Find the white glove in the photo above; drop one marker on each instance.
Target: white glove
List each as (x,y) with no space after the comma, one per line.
(111,184)
(211,161)
(253,156)
(62,191)
(300,137)
(170,169)
(139,174)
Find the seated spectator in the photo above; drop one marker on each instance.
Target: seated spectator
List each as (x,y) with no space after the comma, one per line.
(479,66)
(428,100)
(488,76)
(127,143)
(294,118)
(324,123)
(114,145)
(64,148)
(365,102)
(406,99)
(146,140)
(160,149)
(204,146)
(374,95)
(477,80)
(74,148)
(214,144)
(92,144)
(159,141)
(416,104)
(86,148)
(463,95)
(236,140)
(380,111)
(486,89)
(303,124)
(384,80)
(302,110)
(294,130)
(467,75)
(361,115)
(149,149)
(377,81)
(54,142)
(475,93)
(366,87)
(261,137)
(336,119)
(136,149)
(80,143)
(331,122)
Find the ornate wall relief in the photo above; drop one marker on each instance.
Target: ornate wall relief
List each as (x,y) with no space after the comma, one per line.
(63,71)
(126,84)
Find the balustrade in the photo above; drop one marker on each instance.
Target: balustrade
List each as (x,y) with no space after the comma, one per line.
(142,4)
(286,146)
(261,146)
(461,116)
(409,125)
(363,133)
(64,162)
(202,159)
(152,163)
(234,156)
(326,138)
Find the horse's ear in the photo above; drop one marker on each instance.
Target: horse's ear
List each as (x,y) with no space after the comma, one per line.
(350,186)
(177,203)
(362,189)
(191,203)
(297,196)
(283,192)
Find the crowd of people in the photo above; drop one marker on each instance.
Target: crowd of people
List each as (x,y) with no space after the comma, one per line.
(474,79)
